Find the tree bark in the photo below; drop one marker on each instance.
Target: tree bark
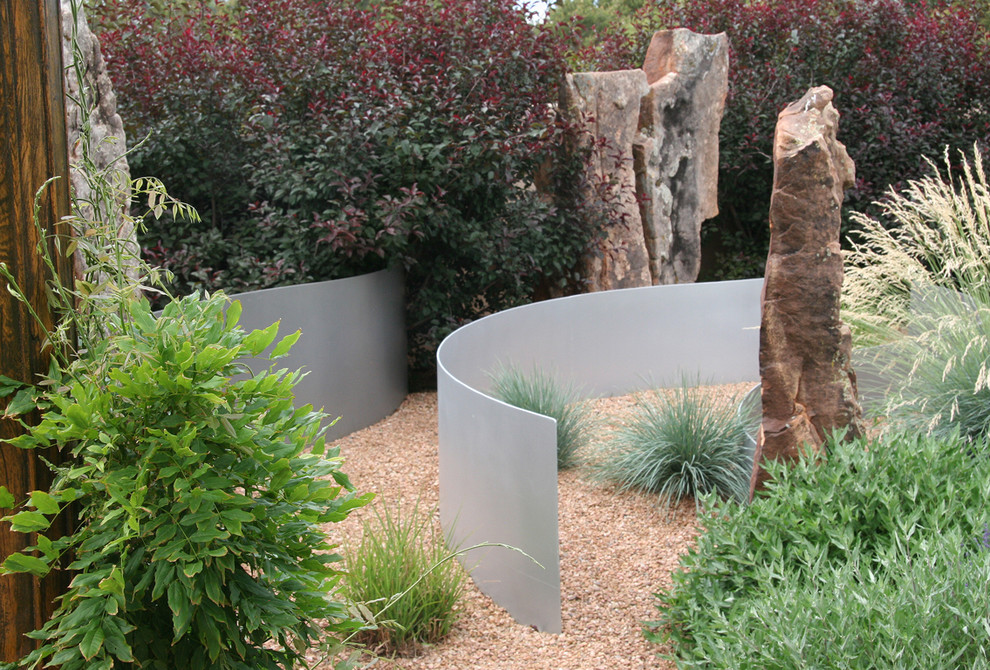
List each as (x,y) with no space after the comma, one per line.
(33,150)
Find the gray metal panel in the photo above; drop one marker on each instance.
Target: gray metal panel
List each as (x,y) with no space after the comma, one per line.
(614,342)
(496,476)
(353,343)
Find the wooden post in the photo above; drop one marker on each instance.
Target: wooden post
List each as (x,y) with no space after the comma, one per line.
(33,150)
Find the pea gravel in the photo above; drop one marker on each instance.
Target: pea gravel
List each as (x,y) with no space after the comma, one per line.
(616,550)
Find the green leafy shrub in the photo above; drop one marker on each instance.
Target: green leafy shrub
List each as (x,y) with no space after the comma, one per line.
(199,487)
(870,558)
(908,80)
(680,443)
(540,391)
(923,606)
(200,505)
(402,567)
(324,139)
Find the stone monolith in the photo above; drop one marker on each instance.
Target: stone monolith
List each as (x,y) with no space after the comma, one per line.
(610,102)
(659,125)
(809,387)
(676,154)
(107,147)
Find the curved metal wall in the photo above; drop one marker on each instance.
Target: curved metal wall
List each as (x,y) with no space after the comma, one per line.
(498,473)
(353,343)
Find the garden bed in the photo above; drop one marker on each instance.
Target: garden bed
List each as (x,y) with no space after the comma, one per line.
(616,550)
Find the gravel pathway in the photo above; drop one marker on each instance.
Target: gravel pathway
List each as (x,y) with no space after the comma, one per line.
(616,550)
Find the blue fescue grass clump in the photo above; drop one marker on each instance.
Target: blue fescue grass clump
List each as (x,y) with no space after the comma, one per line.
(541,391)
(677,444)
(872,558)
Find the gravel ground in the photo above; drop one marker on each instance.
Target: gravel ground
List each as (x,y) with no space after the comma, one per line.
(616,550)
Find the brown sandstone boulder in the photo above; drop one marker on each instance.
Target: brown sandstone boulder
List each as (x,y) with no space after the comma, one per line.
(809,386)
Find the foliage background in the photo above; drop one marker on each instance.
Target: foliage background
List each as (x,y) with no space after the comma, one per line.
(320,139)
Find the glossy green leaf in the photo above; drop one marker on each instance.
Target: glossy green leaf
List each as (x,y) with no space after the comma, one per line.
(114,583)
(192,569)
(142,316)
(9,386)
(22,403)
(286,343)
(78,416)
(28,522)
(259,340)
(115,642)
(92,642)
(299,492)
(18,562)
(44,503)
(280,479)
(182,610)
(233,313)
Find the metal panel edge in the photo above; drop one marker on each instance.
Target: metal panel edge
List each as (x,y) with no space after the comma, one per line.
(353,344)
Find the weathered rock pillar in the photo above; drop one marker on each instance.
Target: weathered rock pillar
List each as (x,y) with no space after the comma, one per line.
(660,126)
(611,100)
(809,387)
(676,155)
(106,149)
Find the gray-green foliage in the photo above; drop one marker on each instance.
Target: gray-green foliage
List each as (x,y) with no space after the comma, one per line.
(542,392)
(920,606)
(402,569)
(876,557)
(680,443)
(937,233)
(940,368)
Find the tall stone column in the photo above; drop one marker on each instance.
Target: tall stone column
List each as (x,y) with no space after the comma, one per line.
(660,127)
(809,387)
(610,102)
(676,154)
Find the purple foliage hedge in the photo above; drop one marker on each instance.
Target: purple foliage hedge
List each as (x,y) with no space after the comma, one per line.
(321,138)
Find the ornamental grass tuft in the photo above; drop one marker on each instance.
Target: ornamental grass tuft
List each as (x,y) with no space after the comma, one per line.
(921,290)
(540,391)
(679,443)
(935,232)
(403,573)
(940,369)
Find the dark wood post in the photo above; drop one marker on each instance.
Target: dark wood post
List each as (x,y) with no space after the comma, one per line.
(33,150)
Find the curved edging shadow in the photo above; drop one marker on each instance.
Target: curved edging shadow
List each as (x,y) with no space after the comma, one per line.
(498,472)
(353,344)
